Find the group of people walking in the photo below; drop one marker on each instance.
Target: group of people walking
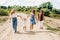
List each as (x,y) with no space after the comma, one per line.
(40,18)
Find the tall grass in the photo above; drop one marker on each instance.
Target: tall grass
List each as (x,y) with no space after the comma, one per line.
(3,19)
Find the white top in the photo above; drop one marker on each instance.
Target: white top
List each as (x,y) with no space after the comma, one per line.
(14,15)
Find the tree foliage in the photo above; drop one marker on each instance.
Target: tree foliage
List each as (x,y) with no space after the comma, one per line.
(46,7)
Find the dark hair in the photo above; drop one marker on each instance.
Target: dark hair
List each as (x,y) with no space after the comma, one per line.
(41,11)
(42,16)
(33,12)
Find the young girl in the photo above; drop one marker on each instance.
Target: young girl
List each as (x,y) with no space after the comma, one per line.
(13,16)
(32,19)
(41,18)
(25,22)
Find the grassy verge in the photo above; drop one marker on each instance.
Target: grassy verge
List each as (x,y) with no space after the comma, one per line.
(53,30)
(56,16)
(3,19)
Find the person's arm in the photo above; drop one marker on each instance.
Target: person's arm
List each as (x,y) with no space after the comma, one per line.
(29,15)
(38,18)
(10,18)
(21,17)
(43,17)
(18,15)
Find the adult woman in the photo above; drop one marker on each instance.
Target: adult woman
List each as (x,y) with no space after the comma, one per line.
(13,15)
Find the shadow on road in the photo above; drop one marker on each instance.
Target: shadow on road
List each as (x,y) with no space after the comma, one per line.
(27,33)
(31,32)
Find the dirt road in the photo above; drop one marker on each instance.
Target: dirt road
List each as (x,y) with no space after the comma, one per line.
(37,34)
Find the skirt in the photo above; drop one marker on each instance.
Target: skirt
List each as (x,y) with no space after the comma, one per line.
(32,21)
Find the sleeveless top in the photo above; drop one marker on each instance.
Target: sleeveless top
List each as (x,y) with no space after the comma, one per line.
(14,15)
(40,17)
(32,16)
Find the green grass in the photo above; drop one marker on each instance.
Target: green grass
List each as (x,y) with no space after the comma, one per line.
(51,28)
(56,16)
(54,30)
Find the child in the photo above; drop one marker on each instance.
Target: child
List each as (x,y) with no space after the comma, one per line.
(24,25)
(32,19)
(41,18)
(13,16)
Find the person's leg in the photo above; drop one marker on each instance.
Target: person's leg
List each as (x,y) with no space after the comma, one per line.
(24,25)
(15,25)
(31,27)
(41,25)
(24,28)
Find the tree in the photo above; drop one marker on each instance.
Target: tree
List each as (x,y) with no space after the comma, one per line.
(46,5)
(49,5)
(3,12)
(4,7)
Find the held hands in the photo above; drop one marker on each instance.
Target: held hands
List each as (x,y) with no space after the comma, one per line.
(9,21)
(21,17)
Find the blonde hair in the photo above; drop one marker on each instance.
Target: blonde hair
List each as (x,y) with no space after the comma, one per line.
(12,11)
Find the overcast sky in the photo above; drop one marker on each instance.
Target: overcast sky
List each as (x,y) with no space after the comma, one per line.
(56,3)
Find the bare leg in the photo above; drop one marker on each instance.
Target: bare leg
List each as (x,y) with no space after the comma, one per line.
(31,27)
(41,25)
(24,28)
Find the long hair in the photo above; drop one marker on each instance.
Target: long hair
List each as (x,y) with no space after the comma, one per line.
(12,11)
(42,15)
(33,11)
(41,11)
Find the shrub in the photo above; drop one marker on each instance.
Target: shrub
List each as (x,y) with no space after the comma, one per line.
(46,12)
(3,12)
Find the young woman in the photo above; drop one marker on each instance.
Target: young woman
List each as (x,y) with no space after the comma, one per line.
(32,19)
(13,15)
(41,18)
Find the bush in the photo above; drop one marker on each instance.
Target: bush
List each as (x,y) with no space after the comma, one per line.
(46,12)
(3,12)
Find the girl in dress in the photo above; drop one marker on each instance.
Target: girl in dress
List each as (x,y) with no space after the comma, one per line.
(41,18)
(32,19)
(13,15)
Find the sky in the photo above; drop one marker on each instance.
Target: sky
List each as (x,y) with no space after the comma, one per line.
(55,3)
